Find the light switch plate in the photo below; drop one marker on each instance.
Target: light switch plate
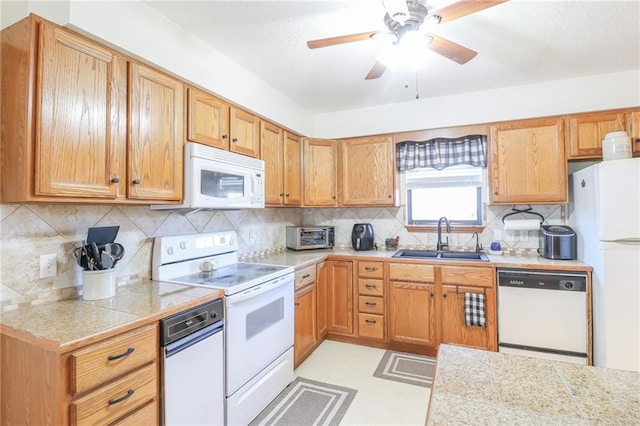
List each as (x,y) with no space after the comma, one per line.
(48,265)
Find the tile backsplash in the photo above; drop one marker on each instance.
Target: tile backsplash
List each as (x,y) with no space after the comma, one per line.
(28,231)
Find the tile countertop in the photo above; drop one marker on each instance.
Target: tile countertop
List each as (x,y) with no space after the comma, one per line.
(68,324)
(300,259)
(473,386)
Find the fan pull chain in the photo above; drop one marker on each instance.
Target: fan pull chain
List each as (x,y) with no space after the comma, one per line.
(417,88)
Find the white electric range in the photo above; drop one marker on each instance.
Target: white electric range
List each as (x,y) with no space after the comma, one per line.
(259,310)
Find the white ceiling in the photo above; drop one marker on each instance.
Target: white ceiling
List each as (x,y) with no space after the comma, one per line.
(519,42)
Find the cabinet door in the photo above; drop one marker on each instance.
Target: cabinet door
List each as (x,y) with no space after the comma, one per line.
(81,112)
(320,179)
(305,323)
(528,163)
(156,137)
(412,313)
(271,153)
(368,171)
(340,297)
(292,169)
(245,133)
(586,132)
(454,329)
(632,122)
(207,119)
(321,299)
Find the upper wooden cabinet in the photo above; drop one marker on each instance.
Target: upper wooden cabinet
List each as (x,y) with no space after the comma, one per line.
(245,133)
(368,177)
(207,119)
(63,115)
(527,163)
(586,132)
(320,173)
(281,152)
(156,135)
(632,124)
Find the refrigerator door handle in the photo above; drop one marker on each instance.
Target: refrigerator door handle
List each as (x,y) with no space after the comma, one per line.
(631,241)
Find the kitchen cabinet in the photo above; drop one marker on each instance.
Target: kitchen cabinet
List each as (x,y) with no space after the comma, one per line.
(321,300)
(156,135)
(63,112)
(281,152)
(305,323)
(320,173)
(371,302)
(114,380)
(456,281)
(412,304)
(586,132)
(632,122)
(245,132)
(368,172)
(207,119)
(528,162)
(339,275)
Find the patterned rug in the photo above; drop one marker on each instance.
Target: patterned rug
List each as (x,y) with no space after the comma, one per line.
(307,402)
(406,368)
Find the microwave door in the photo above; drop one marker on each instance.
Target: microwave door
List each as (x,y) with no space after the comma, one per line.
(219,185)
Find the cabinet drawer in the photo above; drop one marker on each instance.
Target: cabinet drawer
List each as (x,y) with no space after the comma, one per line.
(147,415)
(105,360)
(371,326)
(461,275)
(371,305)
(370,287)
(370,269)
(305,276)
(411,272)
(116,399)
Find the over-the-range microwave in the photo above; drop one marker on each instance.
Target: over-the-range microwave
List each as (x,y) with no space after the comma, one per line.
(218,179)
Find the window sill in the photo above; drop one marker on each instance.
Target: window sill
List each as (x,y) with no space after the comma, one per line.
(454,229)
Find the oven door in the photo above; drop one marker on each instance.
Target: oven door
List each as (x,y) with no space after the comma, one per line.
(259,328)
(215,184)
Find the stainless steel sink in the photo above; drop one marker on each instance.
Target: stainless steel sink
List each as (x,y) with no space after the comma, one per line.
(441,255)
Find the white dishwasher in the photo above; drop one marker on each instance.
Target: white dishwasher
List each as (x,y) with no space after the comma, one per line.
(193,366)
(543,314)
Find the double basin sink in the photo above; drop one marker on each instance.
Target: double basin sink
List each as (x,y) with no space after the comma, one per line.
(441,255)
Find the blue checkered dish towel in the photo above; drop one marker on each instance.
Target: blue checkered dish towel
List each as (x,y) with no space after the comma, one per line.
(474,310)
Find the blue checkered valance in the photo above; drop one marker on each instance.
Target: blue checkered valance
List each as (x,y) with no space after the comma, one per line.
(442,152)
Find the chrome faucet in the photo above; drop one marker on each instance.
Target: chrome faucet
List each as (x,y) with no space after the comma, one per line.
(478,246)
(440,245)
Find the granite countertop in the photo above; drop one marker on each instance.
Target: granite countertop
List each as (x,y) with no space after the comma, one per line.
(301,259)
(68,324)
(473,386)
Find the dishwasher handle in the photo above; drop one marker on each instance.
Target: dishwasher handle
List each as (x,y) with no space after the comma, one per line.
(193,338)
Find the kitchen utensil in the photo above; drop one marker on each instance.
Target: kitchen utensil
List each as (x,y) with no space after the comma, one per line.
(106,260)
(117,252)
(102,235)
(94,255)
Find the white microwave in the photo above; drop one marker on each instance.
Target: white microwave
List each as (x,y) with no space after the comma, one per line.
(218,179)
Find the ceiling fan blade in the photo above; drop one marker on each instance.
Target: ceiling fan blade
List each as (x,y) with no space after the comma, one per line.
(451,50)
(464,8)
(332,41)
(376,71)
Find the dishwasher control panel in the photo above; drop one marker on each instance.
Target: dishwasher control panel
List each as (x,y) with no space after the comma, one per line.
(186,322)
(543,280)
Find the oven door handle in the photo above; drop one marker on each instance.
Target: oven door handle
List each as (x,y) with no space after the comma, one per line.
(256,291)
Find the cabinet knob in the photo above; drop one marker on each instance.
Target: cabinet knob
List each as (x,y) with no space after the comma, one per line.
(234,140)
(286,195)
(444,295)
(333,196)
(282,194)
(136,181)
(297,303)
(224,136)
(115,179)
(431,294)
(390,196)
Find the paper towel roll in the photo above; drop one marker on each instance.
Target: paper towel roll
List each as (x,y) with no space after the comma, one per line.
(522,225)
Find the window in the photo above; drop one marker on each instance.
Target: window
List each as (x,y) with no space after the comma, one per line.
(454,192)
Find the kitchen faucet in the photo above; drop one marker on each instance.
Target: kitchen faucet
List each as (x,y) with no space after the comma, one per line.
(478,246)
(440,245)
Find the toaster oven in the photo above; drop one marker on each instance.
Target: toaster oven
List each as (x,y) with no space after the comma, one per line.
(310,237)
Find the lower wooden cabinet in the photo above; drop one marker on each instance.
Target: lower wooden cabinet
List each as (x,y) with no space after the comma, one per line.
(305,323)
(371,300)
(412,313)
(339,275)
(321,300)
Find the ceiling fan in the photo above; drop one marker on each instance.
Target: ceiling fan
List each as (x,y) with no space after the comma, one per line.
(405,17)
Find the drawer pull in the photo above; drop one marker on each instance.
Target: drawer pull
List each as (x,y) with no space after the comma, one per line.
(122,398)
(370,269)
(306,276)
(128,352)
(297,303)
(370,303)
(370,321)
(370,286)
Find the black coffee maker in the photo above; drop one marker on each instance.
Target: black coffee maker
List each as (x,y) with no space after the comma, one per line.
(362,236)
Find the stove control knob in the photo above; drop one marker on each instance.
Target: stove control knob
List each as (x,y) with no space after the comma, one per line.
(206,266)
(183,245)
(223,240)
(214,314)
(170,251)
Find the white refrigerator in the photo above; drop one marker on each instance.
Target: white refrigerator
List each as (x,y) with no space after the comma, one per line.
(604,210)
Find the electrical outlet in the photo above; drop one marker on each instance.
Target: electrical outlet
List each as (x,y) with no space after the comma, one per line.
(48,265)
(497,235)
(524,235)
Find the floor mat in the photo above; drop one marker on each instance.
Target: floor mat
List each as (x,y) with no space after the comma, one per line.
(406,368)
(307,402)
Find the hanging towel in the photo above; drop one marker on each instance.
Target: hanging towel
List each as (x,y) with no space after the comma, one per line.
(474,310)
